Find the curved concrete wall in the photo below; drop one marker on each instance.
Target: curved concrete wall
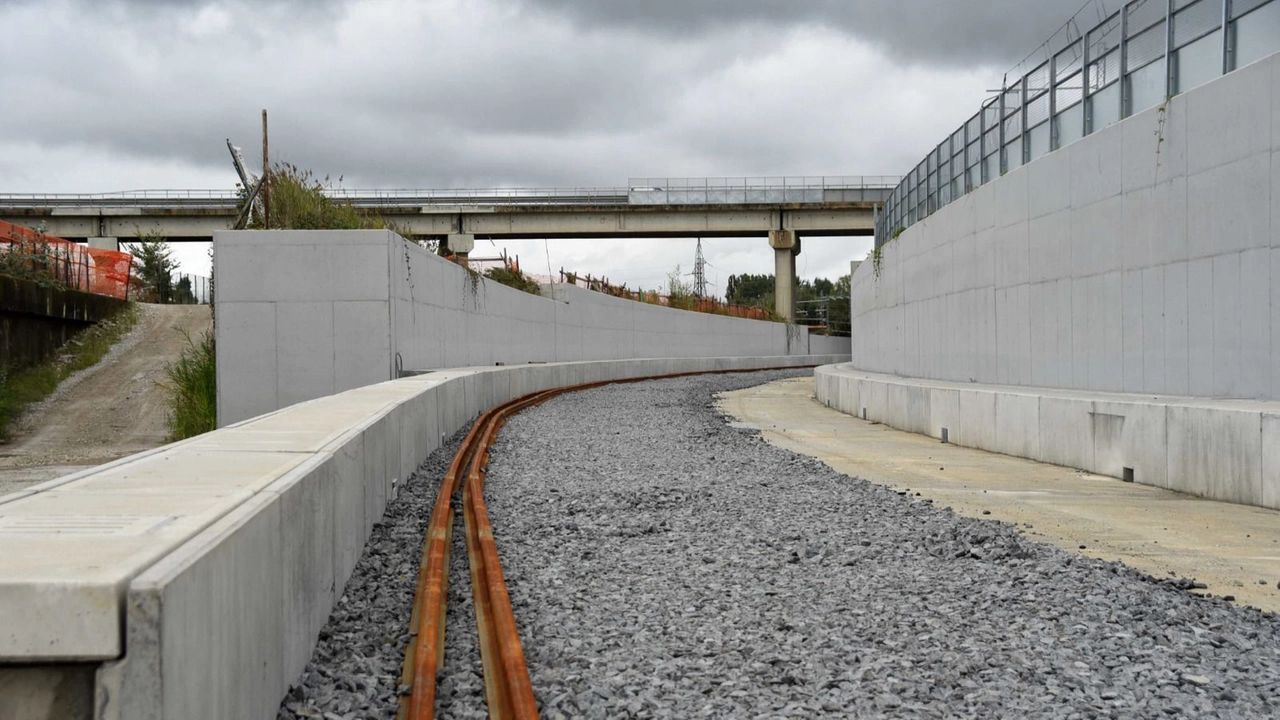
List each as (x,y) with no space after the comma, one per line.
(1225,450)
(1144,258)
(304,314)
(192,581)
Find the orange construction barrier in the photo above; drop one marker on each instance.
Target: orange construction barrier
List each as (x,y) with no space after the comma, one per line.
(78,267)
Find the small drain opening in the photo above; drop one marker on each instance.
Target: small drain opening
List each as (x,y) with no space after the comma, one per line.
(944,435)
(1128,474)
(864,413)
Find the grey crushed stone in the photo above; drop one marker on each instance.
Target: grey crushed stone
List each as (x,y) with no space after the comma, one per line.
(664,564)
(354,672)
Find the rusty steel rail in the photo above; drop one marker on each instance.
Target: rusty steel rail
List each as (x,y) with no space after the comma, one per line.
(508,689)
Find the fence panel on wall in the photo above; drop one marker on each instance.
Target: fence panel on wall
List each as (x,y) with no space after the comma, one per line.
(1094,75)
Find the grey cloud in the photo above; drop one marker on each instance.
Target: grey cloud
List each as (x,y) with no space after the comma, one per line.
(964,32)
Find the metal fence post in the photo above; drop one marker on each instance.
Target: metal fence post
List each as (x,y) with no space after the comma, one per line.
(1000,158)
(1227,60)
(1086,120)
(1024,142)
(1124,59)
(1170,71)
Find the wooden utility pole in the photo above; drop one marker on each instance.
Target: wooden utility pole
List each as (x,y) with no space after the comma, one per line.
(266,177)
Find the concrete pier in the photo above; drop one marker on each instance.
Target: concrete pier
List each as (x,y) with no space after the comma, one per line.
(786,246)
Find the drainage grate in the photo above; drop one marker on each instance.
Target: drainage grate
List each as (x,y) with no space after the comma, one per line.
(78,524)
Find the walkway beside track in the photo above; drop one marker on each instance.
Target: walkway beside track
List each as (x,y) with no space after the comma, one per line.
(1231,548)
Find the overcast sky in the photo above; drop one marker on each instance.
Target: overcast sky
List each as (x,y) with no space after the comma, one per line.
(105,95)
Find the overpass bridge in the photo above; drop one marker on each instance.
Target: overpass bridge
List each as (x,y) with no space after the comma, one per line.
(784,209)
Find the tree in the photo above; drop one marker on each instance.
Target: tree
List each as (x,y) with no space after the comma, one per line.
(182,293)
(152,258)
(750,290)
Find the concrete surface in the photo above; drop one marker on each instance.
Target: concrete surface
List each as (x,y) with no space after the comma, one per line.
(305,314)
(196,576)
(1231,548)
(1218,449)
(1142,259)
(819,214)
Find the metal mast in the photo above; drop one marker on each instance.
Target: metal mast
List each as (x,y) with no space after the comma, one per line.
(699,272)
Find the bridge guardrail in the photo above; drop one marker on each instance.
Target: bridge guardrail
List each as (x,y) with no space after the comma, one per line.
(640,191)
(1125,62)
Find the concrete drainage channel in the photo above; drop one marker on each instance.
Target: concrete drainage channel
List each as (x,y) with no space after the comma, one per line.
(664,564)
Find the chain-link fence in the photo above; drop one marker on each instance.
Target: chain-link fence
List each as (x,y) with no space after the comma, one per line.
(1130,60)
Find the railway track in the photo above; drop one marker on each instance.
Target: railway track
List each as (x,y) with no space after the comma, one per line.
(508,688)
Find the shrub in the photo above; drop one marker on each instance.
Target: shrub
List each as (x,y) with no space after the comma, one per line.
(299,201)
(512,277)
(193,388)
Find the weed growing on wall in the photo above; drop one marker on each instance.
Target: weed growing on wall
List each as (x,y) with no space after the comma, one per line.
(877,258)
(1164,115)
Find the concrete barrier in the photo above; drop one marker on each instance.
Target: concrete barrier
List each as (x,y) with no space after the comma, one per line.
(304,314)
(193,580)
(1225,450)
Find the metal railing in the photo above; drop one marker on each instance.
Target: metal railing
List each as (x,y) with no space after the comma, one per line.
(643,191)
(1130,60)
(813,189)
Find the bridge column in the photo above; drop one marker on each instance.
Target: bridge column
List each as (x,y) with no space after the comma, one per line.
(104,243)
(786,245)
(461,245)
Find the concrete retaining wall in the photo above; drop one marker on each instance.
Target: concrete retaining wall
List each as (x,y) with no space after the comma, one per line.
(1144,258)
(212,564)
(35,321)
(304,314)
(1220,449)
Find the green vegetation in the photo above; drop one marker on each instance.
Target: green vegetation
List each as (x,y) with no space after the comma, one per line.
(154,265)
(20,388)
(193,390)
(299,202)
(513,277)
(819,302)
(680,292)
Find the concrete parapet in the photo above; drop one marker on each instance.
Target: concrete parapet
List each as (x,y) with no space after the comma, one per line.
(304,314)
(192,581)
(1218,449)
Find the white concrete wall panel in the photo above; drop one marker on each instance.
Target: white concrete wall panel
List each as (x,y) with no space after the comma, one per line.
(1220,449)
(306,314)
(1143,246)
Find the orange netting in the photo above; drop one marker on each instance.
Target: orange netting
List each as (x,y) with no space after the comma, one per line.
(78,267)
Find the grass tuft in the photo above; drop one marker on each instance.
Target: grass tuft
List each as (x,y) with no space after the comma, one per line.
(23,387)
(193,388)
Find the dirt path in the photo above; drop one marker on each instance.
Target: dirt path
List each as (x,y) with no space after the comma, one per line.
(113,409)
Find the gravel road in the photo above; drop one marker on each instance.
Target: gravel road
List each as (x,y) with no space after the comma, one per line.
(663,564)
(115,408)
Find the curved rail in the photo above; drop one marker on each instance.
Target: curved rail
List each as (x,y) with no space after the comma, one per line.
(508,688)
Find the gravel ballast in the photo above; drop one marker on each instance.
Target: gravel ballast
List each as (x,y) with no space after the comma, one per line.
(354,672)
(662,563)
